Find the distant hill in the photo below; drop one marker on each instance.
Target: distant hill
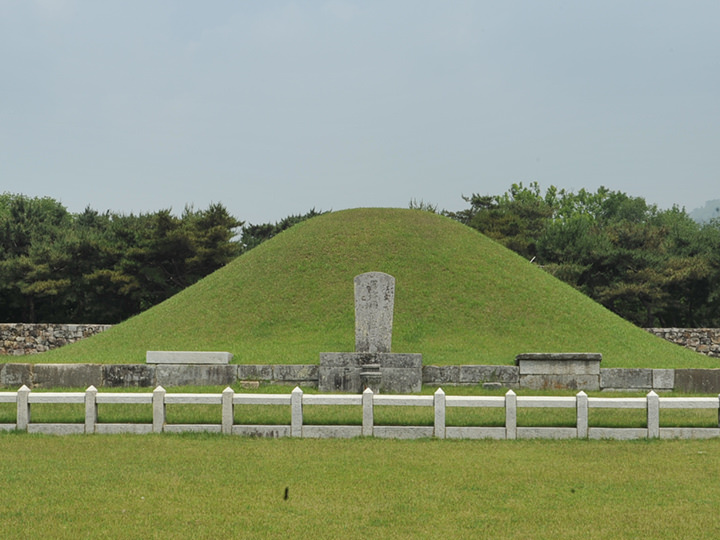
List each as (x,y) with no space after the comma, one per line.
(461,298)
(706,213)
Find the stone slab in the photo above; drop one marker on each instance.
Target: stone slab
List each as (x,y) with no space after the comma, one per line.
(15,375)
(195,375)
(706,381)
(57,429)
(137,429)
(128,375)
(559,363)
(440,375)
(475,433)
(347,372)
(546,433)
(621,378)
(67,375)
(254,372)
(192,428)
(571,382)
(689,433)
(663,379)
(508,375)
(331,432)
(295,373)
(273,432)
(346,360)
(400,360)
(403,432)
(620,434)
(187,357)
(400,380)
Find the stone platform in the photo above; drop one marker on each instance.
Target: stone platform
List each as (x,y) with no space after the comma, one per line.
(577,371)
(394,373)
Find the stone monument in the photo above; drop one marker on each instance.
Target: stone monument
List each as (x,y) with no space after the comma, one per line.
(374,303)
(372,365)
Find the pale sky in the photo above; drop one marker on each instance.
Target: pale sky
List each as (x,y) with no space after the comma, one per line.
(275,107)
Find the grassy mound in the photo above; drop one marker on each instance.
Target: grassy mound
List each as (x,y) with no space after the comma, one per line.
(460,299)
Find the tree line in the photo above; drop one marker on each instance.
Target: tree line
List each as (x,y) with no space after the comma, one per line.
(56,266)
(653,267)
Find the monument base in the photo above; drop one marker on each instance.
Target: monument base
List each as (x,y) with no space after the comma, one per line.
(394,373)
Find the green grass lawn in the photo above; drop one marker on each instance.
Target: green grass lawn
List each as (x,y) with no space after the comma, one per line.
(206,486)
(210,486)
(460,299)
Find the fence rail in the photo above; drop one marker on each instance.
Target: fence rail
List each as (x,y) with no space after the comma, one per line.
(24,399)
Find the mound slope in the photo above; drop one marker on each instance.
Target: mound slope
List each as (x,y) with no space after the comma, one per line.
(460,299)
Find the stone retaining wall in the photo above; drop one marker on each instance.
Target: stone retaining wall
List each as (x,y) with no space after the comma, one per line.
(703,340)
(14,375)
(18,339)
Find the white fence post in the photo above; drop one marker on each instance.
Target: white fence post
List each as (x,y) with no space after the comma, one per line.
(23,408)
(228,410)
(296,421)
(582,414)
(91,409)
(439,406)
(159,409)
(368,415)
(510,415)
(653,415)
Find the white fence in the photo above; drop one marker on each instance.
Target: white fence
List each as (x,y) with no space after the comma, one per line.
(510,402)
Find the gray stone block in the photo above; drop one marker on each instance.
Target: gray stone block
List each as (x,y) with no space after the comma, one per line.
(403,432)
(128,375)
(439,375)
(559,363)
(15,375)
(187,357)
(67,375)
(546,433)
(478,374)
(331,432)
(254,372)
(620,434)
(346,372)
(195,375)
(572,382)
(400,380)
(663,379)
(339,379)
(262,431)
(137,429)
(346,360)
(620,378)
(57,429)
(295,373)
(400,360)
(697,380)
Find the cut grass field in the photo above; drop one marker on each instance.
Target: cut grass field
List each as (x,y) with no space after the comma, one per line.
(207,486)
(460,299)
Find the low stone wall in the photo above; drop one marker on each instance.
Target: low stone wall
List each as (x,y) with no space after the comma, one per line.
(14,375)
(703,340)
(81,376)
(18,339)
